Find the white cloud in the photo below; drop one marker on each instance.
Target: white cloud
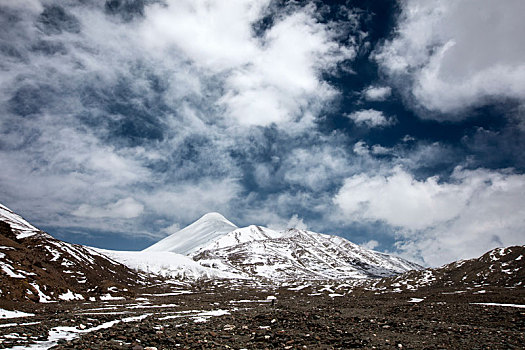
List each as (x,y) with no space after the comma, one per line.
(408,138)
(296,222)
(457,54)
(171,228)
(371,118)
(371,244)
(361,148)
(126,208)
(441,221)
(216,35)
(185,202)
(267,80)
(400,200)
(315,168)
(377,93)
(380,150)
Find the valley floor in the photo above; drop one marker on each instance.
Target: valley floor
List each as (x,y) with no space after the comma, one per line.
(222,315)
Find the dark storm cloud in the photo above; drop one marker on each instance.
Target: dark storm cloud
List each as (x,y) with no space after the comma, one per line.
(126,9)
(55,20)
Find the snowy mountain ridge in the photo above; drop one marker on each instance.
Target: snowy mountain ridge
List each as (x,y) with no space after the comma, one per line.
(18,224)
(299,254)
(260,252)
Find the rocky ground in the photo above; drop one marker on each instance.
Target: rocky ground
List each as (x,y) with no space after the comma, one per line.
(237,315)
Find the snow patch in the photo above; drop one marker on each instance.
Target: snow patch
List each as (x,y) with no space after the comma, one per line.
(197,315)
(43,297)
(416,300)
(69,333)
(107,297)
(333,295)
(8,269)
(13,314)
(69,295)
(498,304)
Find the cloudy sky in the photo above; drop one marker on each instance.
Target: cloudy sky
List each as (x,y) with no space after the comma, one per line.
(399,125)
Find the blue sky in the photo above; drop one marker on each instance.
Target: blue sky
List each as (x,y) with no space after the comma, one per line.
(396,124)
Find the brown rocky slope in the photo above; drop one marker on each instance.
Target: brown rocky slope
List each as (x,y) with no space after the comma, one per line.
(36,267)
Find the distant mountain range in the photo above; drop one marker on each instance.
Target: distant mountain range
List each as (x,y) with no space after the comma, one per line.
(37,267)
(259,252)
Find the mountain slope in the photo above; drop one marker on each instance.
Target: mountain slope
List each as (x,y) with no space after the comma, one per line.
(18,224)
(203,231)
(501,267)
(297,254)
(35,266)
(241,235)
(166,264)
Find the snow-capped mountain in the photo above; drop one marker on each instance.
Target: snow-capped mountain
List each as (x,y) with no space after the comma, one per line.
(35,266)
(203,231)
(260,252)
(298,254)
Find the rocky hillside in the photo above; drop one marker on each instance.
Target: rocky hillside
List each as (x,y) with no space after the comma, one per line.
(501,267)
(37,267)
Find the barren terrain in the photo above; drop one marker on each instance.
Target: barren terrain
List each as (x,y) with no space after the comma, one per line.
(235,314)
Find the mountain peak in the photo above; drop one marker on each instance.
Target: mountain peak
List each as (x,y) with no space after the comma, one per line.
(214,216)
(206,229)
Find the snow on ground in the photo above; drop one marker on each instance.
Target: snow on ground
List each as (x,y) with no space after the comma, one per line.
(498,304)
(166,264)
(70,296)
(204,316)
(145,306)
(43,297)
(6,325)
(9,270)
(108,297)
(13,314)
(333,295)
(197,315)
(267,300)
(298,288)
(415,300)
(68,333)
(179,292)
